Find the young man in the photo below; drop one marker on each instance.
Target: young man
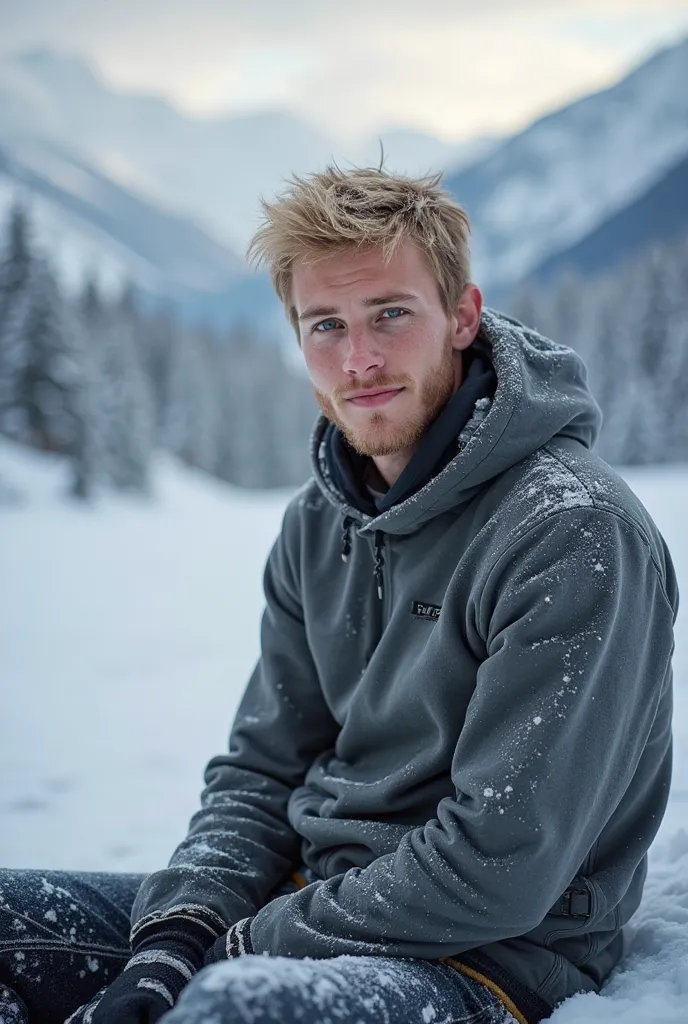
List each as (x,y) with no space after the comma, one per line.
(454,753)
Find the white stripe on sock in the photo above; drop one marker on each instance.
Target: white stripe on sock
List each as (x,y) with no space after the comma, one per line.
(157,986)
(240,936)
(157,956)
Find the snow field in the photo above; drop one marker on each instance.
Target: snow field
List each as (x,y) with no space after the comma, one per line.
(127,633)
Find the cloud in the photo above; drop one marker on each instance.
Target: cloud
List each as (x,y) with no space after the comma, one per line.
(457,67)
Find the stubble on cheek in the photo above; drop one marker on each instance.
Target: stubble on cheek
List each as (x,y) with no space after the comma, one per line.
(378,433)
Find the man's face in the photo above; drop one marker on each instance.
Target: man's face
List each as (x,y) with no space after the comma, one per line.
(382,354)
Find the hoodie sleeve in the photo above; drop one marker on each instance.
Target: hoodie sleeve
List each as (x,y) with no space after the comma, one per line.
(240,844)
(578,634)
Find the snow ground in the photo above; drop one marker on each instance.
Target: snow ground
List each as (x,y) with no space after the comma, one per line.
(127,633)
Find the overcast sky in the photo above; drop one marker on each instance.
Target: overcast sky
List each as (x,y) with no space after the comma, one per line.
(455,67)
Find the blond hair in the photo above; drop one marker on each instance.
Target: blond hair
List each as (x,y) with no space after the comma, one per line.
(326,213)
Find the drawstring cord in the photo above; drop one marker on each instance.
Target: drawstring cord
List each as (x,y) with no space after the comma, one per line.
(379,560)
(379,545)
(346,538)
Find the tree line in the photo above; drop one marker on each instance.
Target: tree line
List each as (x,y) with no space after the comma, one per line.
(631,327)
(109,382)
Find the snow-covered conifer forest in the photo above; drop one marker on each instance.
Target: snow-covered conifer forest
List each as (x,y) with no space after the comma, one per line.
(108,381)
(631,327)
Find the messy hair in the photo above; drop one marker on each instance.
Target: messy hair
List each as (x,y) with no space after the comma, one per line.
(320,215)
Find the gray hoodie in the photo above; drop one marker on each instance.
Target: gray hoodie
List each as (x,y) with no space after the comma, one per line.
(474,763)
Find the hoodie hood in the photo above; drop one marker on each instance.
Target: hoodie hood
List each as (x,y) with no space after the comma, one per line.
(541,393)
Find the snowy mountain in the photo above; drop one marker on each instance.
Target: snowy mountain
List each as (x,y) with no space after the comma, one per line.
(90,224)
(659,215)
(82,146)
(546,188)
(210,169)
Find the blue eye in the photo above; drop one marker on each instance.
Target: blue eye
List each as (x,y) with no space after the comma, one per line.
(396,311)
(323,325)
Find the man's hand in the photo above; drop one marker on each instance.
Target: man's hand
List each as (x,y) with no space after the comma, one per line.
(147,988)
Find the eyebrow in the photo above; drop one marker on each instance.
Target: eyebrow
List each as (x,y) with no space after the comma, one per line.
(376,300)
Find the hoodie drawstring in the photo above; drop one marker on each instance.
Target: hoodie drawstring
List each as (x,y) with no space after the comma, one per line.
(346,538)
(379,560)
(379,545)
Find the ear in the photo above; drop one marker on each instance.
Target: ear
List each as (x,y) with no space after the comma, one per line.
(465,322)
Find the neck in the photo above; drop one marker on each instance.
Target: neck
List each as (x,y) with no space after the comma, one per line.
(386,469)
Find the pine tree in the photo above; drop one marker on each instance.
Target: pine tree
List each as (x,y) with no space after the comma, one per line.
(676,411)
(43,379)
(244,454)
(125,427)
(159,341)
(631,328)
(55,385)
(649,315)
(525,304)
(610,372)
(191,406)
(562,309)
(134,437)
(89,316)
(16,268)
(50,377)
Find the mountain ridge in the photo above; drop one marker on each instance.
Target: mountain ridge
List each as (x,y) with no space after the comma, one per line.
(548,186)
(659,215)
(64,99)
(536,194)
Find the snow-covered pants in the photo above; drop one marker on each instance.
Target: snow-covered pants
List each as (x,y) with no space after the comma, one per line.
(344,990)
(63,935)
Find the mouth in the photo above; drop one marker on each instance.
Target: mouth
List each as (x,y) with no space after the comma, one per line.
(375,398)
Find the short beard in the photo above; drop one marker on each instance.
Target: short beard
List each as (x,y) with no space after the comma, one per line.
(436,390)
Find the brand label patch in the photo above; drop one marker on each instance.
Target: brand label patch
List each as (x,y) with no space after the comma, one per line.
(426,611)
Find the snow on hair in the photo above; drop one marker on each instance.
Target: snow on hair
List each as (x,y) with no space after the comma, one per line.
(322,214)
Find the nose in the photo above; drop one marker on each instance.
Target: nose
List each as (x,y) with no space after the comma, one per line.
(361,354)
